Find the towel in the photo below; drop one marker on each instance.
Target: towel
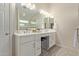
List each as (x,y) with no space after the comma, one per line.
(76,41)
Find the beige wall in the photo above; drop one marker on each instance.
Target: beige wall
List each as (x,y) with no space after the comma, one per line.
(66,17)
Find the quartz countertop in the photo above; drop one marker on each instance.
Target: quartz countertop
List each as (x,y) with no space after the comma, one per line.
(32,33)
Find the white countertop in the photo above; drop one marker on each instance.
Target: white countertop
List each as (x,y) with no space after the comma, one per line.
(32,33)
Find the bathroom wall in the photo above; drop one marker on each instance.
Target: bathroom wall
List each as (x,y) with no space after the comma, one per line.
(67,19)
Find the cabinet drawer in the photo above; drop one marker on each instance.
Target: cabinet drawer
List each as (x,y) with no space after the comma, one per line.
(25,39)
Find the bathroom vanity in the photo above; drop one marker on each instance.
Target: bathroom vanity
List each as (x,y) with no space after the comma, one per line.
(29,44)
(39,32)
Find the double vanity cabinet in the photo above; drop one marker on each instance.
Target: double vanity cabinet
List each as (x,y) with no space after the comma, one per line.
(38,31)
(29,44)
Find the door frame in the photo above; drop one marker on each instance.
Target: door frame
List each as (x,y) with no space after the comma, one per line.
(13,23)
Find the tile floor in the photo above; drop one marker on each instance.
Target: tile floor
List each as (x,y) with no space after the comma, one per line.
(59,51)
(68,52)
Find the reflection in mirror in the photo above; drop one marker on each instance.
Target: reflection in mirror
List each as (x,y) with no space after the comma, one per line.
(30,17)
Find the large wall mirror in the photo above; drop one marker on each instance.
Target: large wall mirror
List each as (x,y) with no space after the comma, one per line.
(30,17)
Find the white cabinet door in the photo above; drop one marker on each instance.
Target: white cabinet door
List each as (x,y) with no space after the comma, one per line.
(37,44)
(24,45)
(4,29)
(27,49)
(51,39)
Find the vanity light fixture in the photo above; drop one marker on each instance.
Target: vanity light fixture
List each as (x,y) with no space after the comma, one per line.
(51,16)
(22,24)
(33,22)
(32,6)
(29,5)
(23,21)
(45,13)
